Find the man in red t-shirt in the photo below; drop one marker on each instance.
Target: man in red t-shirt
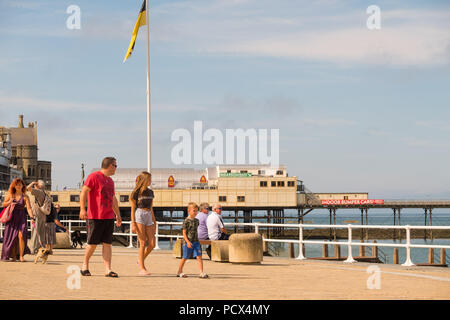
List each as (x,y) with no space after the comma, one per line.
(103,207)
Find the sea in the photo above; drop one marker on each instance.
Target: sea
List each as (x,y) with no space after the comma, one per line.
(412,217)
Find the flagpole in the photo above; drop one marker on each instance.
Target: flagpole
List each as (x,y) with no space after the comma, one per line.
(149,138)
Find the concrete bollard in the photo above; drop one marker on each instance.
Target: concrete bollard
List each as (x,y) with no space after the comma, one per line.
(443,258)
(62,241)
(337,251)
(431,256)
(245,248)
(177,249)
(325,250)
(219,250)
(395,257)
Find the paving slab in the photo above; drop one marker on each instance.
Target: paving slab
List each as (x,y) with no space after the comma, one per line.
(275,278)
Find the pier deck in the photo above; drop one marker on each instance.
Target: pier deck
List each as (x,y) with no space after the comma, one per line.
(274,278)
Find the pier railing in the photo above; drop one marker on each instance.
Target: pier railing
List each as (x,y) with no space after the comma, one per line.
(350,243)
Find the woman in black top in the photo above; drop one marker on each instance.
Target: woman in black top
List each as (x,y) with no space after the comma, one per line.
(143,220)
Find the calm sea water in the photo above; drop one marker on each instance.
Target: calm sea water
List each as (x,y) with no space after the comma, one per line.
(413,217)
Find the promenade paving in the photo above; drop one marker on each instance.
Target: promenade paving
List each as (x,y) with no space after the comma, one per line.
(275,278)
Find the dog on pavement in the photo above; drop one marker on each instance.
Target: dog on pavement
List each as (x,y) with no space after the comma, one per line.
(76,239)
(41,254)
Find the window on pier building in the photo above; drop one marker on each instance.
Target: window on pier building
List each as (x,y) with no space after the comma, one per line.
(280,172)
(42,173)
(291,183)
(124,198)
(345,197)
(273,183)
(54,197)
(240,198)
(29,171)
(74,198)
(263,183)
(280,183)
(222,198)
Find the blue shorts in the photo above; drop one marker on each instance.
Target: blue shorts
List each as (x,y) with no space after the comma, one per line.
(196,250)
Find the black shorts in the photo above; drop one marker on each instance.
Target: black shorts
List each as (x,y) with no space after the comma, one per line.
(100,231)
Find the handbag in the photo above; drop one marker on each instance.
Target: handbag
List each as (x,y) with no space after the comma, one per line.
(46,207)
(6,214)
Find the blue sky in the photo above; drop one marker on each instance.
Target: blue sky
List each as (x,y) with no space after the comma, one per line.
(358,109)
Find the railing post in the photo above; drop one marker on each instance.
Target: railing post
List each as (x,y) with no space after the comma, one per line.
(408,262)
(300,243)
(70,227)
(131,238)
(443,258)
(157,237)
(349,255)
(256,228)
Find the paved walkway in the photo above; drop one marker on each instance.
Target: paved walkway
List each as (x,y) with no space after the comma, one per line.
(274,278)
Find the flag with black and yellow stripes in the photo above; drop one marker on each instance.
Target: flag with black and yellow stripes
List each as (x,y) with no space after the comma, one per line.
(141,21)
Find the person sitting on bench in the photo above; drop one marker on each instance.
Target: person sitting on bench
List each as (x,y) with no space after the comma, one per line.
(216,228)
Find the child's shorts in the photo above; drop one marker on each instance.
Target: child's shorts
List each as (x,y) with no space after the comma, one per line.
(196,250)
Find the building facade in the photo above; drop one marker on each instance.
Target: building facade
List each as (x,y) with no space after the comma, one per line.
(23,154)
(231,186)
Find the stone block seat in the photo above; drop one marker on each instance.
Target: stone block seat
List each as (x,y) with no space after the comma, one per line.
(63,241)
(177,250)
(219,250)
(245,248)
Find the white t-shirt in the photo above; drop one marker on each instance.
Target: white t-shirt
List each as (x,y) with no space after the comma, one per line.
(215,225)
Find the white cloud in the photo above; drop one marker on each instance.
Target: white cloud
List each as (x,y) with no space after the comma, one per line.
(326,122)
(426,143)
(18,100)
(396,46)
(406,38)
(439,125)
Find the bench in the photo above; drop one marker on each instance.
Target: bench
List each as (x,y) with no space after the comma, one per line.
(219,247)
(178,247)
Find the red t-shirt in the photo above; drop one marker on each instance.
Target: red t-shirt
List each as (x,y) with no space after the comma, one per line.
(100,198)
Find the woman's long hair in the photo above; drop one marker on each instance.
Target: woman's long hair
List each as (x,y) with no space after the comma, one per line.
(14,183)
(141,183)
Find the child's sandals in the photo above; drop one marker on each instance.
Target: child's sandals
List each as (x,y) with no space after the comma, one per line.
(203,276)
(181,275)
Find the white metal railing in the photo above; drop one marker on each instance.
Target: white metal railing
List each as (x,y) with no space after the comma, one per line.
(301,242)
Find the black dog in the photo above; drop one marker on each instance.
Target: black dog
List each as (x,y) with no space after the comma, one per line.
(76,238)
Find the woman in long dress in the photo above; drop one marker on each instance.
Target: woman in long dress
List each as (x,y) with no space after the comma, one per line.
(15,235)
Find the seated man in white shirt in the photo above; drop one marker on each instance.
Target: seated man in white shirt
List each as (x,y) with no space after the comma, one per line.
(214,222)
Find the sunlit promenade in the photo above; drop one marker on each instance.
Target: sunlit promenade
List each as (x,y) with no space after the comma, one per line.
(275,278)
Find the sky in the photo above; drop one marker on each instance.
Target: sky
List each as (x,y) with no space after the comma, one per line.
(358,110)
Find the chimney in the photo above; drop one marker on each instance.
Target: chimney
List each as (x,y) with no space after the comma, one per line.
(20,121)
